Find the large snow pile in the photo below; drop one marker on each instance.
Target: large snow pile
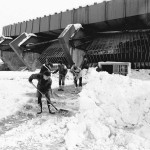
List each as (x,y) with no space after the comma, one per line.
(114,114)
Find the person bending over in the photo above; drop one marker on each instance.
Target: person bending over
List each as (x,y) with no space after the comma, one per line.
(43,88)
(77,75)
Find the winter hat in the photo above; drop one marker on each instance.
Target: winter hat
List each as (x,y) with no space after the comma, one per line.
(50,64)
(47,73)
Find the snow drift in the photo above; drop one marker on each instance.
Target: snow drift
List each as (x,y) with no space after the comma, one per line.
(114,114)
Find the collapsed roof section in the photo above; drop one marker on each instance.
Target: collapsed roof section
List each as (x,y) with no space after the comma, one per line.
(131,46)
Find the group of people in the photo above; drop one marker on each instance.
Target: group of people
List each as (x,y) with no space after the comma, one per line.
(45,81)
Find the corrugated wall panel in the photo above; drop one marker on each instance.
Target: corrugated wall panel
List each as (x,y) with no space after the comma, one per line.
(44,23)
(115,9)
(142,9)
(97,13)
(29,26)
(135,7)
(36,25)
(131,7)
(18,27)
(23,27)
(4,31)
(55,21)
(13,30)
(148,6)
(81,15)
(9,32)
(66,19)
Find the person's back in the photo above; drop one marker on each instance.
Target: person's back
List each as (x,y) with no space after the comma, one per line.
(62,69)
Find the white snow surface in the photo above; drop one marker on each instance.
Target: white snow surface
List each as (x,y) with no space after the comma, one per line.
(114,114)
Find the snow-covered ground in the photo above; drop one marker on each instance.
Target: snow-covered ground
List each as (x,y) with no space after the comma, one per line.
(112,112)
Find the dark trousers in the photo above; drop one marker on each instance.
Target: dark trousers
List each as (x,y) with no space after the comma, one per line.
(76,82)
(61,80)
(47,95)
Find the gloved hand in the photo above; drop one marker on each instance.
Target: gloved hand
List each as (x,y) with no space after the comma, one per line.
(30,81)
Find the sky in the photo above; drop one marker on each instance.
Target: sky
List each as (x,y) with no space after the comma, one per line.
(17,11)
(110,113)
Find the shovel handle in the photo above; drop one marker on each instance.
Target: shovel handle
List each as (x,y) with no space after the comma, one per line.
(45,96)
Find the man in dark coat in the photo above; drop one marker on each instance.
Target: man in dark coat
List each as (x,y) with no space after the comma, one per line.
(62,69)
(43,87)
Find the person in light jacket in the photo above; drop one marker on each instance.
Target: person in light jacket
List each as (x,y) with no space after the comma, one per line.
(77,75)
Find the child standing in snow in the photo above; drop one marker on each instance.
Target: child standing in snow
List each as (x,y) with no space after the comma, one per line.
(43,87)
(77,75)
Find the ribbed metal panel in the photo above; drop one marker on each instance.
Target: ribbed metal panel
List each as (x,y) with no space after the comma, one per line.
(23,27)
(4,31)
(36,25)
(29,26)
(80,15)
(55,21)
(18,29)
(9,30)
(97,13)
(136,7)
(111,15)
(115,9)
(66,18)
(13,30)
(45,23)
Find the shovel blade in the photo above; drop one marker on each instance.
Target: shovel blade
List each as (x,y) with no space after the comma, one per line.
(63,111)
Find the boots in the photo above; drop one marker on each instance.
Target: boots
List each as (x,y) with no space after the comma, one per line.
(40,108)
(80,88)
(59,88)
(62,88)
(50,110)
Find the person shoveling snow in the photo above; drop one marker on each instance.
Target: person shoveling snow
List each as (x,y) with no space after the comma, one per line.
(44,89)
(43,86)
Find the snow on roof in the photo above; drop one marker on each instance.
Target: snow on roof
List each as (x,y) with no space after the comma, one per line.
(28,35)
(2,41)
(4,37)
(76,26)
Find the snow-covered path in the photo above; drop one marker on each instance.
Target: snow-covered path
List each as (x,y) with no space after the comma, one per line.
(110,113)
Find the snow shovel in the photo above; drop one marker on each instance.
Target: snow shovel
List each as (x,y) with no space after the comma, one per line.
(58,110)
